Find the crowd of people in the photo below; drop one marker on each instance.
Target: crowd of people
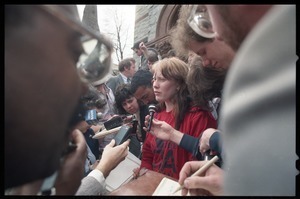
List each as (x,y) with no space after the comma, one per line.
(234,97)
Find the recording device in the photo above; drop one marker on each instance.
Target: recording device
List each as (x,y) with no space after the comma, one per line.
(92,117)
(152,110)
(113,122)
(122,135)
(214,103)
(125,132)
(209,154)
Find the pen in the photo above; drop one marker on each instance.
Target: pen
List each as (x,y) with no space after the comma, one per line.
(201,170)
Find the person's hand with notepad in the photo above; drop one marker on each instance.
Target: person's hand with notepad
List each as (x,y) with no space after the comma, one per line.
(209,183)
(112,156)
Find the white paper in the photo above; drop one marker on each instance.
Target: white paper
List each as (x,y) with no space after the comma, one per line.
(167,187)
(122,173)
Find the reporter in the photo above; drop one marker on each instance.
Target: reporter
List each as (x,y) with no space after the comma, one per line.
(71,170)
(259,100)
(256,102)
(210,183)
(94,182)
(43,44)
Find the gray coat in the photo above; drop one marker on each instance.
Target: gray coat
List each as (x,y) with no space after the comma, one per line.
(90,186)
(258,114)
(114,82)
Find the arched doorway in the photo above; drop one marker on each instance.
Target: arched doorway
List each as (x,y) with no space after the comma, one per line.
(167,19)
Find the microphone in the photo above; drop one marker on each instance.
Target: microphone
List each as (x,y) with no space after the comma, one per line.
(99,115)
(152,110)
(216,101)
(92,117)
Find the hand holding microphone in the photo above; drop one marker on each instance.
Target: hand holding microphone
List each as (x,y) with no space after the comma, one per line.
(161,129)
(152,110)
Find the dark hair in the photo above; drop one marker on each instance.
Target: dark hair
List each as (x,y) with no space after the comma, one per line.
(136,45)
(93,99)
(141,78)
(122,93)
(152,56)
(204,83)
(78,114)
(125,63)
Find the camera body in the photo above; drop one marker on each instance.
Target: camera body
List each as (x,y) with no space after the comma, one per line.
(113,123)
(122,134)
(125,132)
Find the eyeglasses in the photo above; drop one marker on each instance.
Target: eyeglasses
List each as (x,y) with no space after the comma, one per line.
(199,21)
(95,63)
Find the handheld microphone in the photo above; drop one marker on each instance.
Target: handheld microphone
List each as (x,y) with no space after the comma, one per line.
(92,117)
(99,115)
(152,110)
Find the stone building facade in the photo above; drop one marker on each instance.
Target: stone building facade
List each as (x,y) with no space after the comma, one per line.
(152,25)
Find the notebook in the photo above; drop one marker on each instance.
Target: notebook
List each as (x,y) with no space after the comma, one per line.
(167,187)
(123,173)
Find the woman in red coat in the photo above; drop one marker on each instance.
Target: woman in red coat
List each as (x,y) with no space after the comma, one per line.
(175,107)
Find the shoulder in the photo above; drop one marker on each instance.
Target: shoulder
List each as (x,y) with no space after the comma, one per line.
(197,111)
(120,78)
(112,79)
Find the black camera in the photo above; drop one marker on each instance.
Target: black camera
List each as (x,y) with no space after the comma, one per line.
(113,122)
(122,135)
(126,131)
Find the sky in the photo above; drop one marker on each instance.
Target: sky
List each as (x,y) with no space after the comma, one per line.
(106,23)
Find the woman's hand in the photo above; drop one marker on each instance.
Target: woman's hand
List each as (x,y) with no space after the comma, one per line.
(163,130)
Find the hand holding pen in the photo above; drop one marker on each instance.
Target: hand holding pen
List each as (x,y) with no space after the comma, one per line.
(208,182)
